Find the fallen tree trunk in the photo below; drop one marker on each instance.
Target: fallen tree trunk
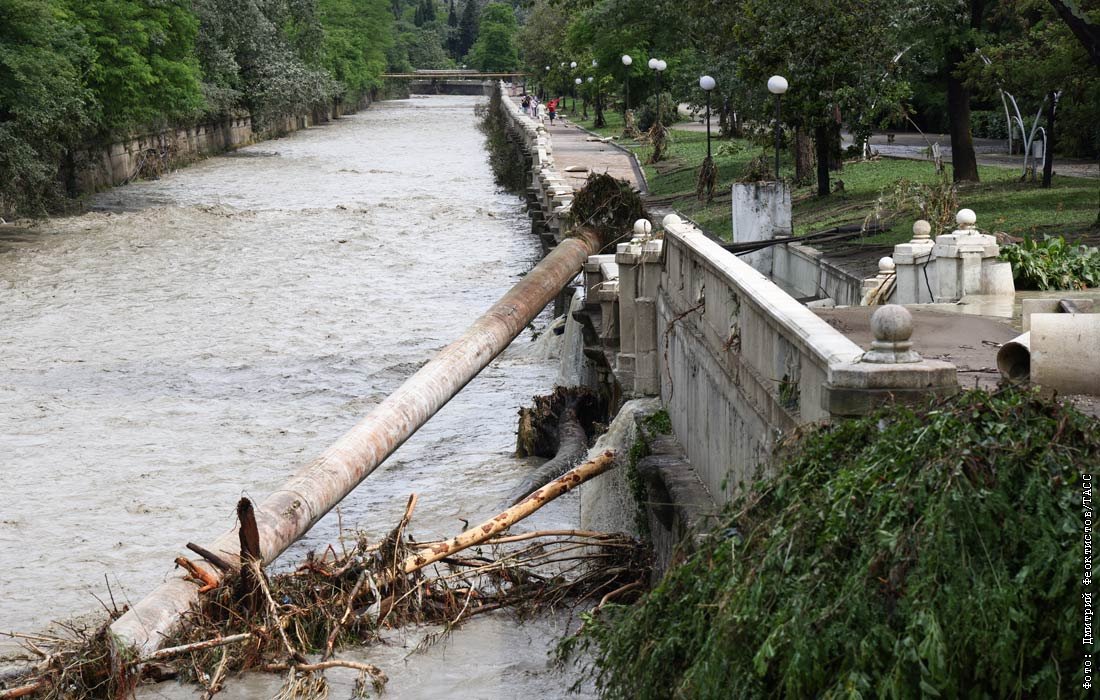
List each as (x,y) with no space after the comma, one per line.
(486,530)
(502,522)
(572,447)
(289,512)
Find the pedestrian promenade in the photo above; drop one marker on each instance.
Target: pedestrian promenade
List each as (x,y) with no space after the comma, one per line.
(578,153)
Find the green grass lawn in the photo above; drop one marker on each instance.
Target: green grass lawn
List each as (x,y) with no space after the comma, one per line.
(1001,201)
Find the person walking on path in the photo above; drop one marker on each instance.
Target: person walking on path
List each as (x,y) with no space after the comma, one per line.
(552,109)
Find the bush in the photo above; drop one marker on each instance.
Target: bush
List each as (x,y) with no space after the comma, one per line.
(646,115)
(988,124)
(917,552)
(1053,264)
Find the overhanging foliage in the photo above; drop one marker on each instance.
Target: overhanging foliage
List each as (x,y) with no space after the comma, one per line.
(913,553)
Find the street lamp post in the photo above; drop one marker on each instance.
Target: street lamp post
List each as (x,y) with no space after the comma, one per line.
(707,83)
(573,67)
(659,66)
(777,85)
(627,60)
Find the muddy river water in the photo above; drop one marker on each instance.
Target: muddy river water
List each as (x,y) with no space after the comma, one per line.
(197,338)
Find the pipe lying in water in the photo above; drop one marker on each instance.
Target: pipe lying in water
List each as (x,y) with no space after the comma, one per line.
(289,512)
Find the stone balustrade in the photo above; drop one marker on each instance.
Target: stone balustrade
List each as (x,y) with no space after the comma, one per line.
(549,195)
(739,363)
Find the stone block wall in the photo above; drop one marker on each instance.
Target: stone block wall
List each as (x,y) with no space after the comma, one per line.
(741,362)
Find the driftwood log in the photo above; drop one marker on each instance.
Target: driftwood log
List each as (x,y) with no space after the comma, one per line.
(559,426)
(572,448)
(501,522)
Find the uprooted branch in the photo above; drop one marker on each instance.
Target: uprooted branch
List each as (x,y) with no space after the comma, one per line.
(339,599)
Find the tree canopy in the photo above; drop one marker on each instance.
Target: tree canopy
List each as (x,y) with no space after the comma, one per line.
(495,48)
(73,73)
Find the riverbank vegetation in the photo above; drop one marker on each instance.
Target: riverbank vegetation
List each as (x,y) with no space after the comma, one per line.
(75,75)
(917,552)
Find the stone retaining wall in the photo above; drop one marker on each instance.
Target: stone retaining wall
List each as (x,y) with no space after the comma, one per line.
(549,195)
(153,153)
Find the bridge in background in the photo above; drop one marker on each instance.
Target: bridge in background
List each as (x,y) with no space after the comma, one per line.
(455,82)
(453,75)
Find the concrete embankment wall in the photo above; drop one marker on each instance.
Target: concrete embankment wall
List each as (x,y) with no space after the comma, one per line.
(741,363)
(153,153)
(736,360)
(549,195)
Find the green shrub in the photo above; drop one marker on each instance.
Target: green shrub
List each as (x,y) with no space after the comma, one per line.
(917,552)
(646,114)
(988,124)
(1053,264)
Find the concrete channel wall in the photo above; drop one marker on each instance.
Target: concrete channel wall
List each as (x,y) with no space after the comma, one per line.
(737,362)
(742,363)
(153,153)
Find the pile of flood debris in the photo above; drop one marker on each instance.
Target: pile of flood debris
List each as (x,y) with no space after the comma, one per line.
(294,622)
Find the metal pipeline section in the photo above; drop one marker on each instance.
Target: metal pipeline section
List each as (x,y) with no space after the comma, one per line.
(289,512)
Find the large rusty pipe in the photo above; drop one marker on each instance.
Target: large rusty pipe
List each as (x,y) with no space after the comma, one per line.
(289,512)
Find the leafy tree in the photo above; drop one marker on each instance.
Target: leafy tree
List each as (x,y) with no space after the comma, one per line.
(43,103)
(467,28)
(837,55)
(1037,60)
(247,51)
(144,69)
(495,48)
(1083,20)
(452,32)
(425,12)
(419,47)
(356,36)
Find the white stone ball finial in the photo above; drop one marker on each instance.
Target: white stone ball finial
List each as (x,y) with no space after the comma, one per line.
(922,230)
(642,227)
(671,220)
(892,327)
(885,265)
(966,218)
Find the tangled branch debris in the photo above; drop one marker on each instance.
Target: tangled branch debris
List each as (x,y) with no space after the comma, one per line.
(657,136)
(335,600)
(608,206)
(881,559)
(706,180)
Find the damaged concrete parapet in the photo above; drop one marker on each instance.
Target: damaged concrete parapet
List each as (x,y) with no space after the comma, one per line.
(601,289)
(966,262)
(878,288)
(914,274)
(889,372)
(742,363)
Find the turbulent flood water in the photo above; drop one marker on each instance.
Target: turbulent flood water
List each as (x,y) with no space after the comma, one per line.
(197,338)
